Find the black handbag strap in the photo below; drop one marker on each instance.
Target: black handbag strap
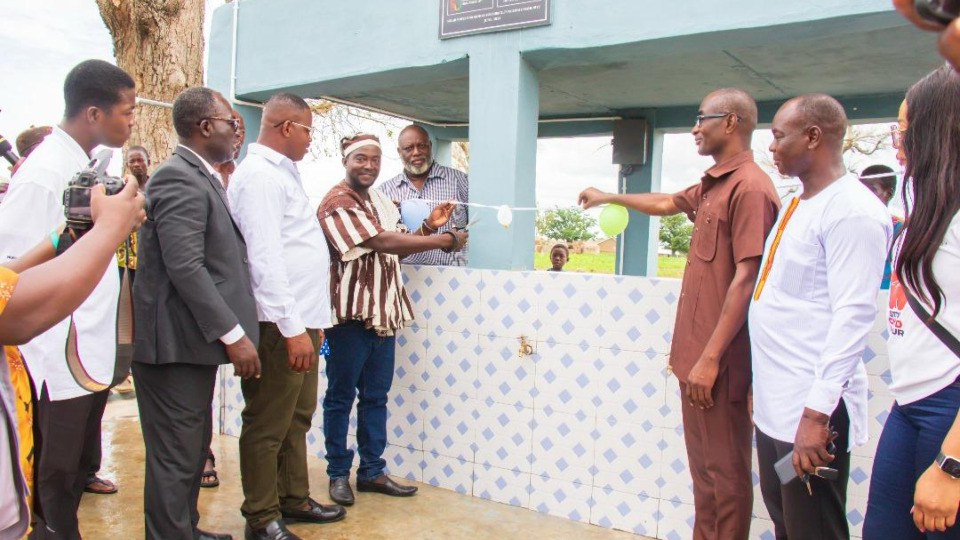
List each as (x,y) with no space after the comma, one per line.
(938,330)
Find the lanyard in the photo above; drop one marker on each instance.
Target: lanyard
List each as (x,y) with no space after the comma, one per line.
(774,245)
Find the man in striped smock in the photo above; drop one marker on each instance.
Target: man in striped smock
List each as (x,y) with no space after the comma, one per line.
(366,242)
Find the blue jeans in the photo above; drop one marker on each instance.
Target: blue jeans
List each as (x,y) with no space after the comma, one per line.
(360,363)
(909,444)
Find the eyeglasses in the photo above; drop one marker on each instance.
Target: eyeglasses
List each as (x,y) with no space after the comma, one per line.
(702,117)
(312,131)
(896,136)
(423,147)
(234,123)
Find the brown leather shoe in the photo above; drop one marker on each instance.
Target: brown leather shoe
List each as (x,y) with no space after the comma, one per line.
(316,513)
(275,530)
(340,491)
(207,535)
(386,486)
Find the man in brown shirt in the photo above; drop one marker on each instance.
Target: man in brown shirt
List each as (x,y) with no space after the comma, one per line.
(732,209)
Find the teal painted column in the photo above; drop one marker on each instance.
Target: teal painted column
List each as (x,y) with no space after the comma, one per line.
(443,152)
(219,58)
(504,110)
(637,248)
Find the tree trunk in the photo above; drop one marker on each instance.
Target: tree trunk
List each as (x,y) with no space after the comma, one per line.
(160,44)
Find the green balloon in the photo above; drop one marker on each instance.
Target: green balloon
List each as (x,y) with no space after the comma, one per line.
(614,219)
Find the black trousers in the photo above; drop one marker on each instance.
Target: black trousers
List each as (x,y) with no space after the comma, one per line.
(796,514)
(174,402)
(64,432)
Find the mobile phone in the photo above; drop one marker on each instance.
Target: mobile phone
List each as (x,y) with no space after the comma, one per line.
(938,11)
(785,469)
(786,472)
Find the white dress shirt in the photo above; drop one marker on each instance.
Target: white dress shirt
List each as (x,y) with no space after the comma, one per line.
(289,258)
(809,327)
(920,364)
(235,334)
(32,208)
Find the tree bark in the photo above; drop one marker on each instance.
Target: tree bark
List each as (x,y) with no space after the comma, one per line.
(160,44)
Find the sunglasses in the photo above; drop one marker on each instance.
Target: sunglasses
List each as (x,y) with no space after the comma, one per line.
(710,116)
(234,123)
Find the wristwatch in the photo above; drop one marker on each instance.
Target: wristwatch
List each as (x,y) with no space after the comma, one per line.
(948,464)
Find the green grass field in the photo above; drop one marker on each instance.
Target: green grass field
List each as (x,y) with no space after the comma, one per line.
(603,263)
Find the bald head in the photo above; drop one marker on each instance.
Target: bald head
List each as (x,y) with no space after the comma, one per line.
(287,125)
(414,129)
(822,111)
(735,100)
(283,106)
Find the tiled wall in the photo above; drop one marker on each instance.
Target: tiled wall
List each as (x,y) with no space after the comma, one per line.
(586,428)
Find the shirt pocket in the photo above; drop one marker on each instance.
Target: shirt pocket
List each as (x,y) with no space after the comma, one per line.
(706,235)
(798,262)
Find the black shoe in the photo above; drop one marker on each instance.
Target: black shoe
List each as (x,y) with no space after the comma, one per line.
(317,513)
(275,530)
(204,535)
(388,487)
(340,491)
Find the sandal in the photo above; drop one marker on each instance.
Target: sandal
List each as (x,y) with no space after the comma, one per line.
(209,478)
(108,489)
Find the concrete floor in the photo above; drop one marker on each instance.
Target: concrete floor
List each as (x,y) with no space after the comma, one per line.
(433,513)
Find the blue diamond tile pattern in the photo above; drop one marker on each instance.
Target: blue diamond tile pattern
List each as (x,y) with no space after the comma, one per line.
(587,428)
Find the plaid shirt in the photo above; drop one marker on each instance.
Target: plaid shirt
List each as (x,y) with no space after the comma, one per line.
(442,184)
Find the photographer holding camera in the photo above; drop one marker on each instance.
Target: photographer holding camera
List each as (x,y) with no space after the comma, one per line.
(100,100)
(26,286)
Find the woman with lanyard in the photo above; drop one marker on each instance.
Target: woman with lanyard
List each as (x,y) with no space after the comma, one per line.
(914,489)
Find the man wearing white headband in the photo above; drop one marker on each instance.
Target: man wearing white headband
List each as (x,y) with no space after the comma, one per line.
(366,241)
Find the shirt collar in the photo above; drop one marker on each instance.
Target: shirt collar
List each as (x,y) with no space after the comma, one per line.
(267,153)
(71,144)
(729,165)
(272,156)
(213,172)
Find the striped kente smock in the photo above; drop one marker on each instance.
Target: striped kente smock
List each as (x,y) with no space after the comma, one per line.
(365,285)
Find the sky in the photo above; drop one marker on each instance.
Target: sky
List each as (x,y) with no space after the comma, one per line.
(44,38)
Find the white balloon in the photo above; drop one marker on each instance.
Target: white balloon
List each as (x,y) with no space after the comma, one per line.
(505,216)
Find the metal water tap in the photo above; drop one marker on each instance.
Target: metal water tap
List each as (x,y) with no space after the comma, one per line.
(526,349)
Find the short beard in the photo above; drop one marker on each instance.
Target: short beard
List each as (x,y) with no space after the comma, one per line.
(417,171)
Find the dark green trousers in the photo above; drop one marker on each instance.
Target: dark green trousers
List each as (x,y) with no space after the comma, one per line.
(276,419)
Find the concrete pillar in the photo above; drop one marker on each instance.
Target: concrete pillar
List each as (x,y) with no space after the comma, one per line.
(637,247)
(219,64)
(504,110)
(443,152)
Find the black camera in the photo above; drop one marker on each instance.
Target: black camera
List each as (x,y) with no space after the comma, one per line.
(938,11)
(76,198)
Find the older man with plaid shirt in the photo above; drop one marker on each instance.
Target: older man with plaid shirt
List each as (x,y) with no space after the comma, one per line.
(423,178)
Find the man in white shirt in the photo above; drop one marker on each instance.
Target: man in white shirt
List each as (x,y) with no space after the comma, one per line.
(100,100)
(290,272)
(814,303)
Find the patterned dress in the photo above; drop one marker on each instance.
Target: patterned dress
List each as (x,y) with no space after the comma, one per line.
(20,380)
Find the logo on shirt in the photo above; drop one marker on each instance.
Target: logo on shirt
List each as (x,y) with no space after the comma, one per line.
(897,301)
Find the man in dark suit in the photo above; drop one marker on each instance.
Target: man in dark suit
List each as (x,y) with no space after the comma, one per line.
(194,311)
